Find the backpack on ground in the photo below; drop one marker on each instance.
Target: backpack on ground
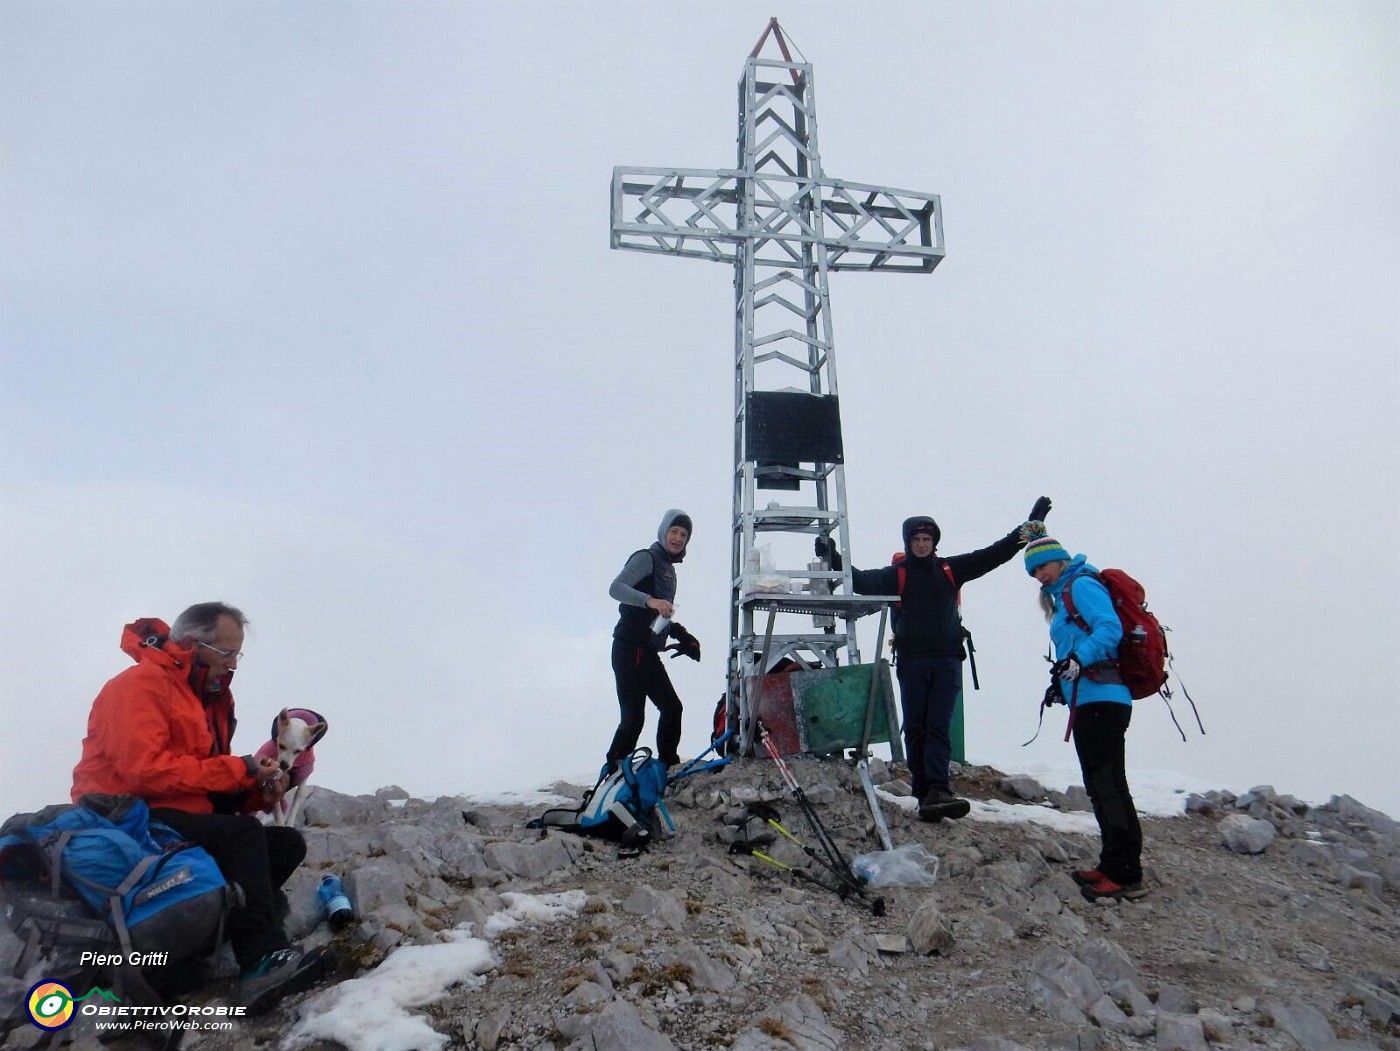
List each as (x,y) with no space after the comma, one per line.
(620,806)
(1143,655)
(721,725)
(99,876)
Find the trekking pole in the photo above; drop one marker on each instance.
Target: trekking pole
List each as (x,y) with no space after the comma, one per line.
(862,757)
(835,860)
(845,884)
(698,765)
(1053,695)
(877,907)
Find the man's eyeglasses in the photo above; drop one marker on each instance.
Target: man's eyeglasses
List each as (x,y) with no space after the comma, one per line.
(228,655)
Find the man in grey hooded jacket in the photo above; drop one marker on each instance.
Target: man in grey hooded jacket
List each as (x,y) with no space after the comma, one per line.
(646,592)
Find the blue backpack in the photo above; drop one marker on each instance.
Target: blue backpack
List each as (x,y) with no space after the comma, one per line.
(619,807)
(100,876)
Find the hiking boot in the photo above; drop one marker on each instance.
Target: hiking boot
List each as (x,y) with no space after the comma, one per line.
(1084,877)
(282,973)
(1106,888)
(939,804)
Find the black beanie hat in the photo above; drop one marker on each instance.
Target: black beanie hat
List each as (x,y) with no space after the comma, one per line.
(921,524)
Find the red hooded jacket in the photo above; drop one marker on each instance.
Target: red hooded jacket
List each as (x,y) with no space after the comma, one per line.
(150,735)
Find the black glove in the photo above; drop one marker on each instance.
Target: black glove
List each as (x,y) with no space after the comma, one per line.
(687,645)
(825,548)
(1067,669)
(1040,510)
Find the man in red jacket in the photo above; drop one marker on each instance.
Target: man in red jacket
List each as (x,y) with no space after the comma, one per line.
(162,731)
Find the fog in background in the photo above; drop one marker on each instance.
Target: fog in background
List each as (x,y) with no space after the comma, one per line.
(309,307)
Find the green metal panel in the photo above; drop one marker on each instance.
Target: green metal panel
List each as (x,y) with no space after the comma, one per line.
(830,706)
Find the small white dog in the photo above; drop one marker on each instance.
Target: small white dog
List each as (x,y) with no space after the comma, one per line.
(294,731)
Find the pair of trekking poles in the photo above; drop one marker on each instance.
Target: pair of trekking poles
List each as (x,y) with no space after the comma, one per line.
(838,877)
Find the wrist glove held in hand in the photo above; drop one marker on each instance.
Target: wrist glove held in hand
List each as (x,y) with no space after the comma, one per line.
(825,548)
(687,645)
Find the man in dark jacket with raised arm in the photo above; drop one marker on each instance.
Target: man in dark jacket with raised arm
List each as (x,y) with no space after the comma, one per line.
(928,636)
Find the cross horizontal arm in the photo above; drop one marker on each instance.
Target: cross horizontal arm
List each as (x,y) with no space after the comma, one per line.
(697,212)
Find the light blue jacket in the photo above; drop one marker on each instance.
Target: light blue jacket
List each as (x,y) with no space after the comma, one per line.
(1099,643)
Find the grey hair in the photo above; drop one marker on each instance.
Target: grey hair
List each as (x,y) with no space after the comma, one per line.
(201,621)
(1047,606)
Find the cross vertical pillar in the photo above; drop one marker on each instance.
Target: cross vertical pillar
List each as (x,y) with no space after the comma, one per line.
(784,227)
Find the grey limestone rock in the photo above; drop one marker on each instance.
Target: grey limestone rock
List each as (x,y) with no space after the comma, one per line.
(1302,1021)
(655,907)
(1360,879)
(1379,1005)
(1065,987)
(706,972)
(1023,786)
(802,1025)
(375,883)
(1180,1033)
(1173,999)
(1107,960)
(529,861)
(489,1029)
(327,807)
(1246,835)
(928,932)
(618,1027)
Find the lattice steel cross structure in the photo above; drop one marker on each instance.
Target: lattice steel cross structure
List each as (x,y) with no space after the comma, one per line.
(784,226)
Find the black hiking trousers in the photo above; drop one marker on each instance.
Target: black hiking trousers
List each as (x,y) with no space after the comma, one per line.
(928,693)
(259,858)
(640,674)
(1099,732)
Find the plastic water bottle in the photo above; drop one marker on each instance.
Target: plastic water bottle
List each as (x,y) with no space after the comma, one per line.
(660,624)
(865,869)
(334,902)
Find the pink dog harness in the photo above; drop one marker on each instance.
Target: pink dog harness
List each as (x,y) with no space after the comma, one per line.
(304,763)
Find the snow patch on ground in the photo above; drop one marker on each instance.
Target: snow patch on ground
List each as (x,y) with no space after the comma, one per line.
(371,1013)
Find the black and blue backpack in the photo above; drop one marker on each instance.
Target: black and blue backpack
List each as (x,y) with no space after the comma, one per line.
(620,806)
(100,876)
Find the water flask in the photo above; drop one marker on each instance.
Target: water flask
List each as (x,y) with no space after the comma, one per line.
(660,624)
(334,902)
(865,869)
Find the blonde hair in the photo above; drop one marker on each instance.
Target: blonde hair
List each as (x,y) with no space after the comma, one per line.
(1047,605)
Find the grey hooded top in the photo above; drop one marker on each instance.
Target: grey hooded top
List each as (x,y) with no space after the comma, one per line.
(649,573)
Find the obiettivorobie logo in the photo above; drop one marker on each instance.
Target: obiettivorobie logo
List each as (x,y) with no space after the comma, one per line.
(51,1004)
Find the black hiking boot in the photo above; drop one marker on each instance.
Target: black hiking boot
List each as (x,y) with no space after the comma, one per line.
(282,973)
(939,804)
(1107,888)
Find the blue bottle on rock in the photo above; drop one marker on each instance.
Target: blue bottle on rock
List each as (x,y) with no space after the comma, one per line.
(334,902)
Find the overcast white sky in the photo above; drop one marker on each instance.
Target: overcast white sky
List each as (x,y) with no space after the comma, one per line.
(310,307)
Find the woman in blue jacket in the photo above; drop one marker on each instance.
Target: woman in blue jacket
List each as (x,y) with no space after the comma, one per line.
(1086,648)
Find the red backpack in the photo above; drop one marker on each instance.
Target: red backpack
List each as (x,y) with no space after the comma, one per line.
(1143,654)
(897,560)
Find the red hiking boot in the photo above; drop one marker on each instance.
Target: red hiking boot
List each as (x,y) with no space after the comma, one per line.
(1106,888)
(1084,877)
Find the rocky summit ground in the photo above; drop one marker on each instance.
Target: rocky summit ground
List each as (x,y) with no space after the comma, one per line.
(1269,924)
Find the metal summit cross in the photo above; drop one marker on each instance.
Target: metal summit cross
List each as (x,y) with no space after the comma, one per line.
(784,226)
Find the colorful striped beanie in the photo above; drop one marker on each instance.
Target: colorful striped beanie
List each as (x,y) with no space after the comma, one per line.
(1040,548)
